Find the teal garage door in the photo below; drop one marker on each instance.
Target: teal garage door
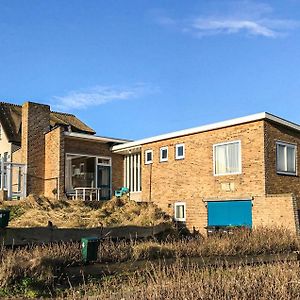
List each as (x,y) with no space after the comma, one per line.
(230,213)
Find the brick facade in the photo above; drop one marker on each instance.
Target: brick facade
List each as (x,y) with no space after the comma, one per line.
(276,183)
(35,123)
(192,179)
(54,163)
(43,150)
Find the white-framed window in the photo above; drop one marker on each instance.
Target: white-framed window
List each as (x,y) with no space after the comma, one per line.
(132,172)
(179,151)
(163,154)
(286,158)
(148,157)
(180,211)
(227,158)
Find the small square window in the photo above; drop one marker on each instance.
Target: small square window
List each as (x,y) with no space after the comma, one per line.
(148,157)
(164,154)
(180,211)
(179,151)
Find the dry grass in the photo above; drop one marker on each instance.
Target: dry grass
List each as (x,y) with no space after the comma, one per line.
(266,282)
(43,263)
(36,270)
(37,211)
(259,241)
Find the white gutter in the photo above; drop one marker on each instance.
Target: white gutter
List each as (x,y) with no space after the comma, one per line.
(94,137)
(218,125)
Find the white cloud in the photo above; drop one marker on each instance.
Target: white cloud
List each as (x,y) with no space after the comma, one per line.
(203,27)
(256,19)
(99,95)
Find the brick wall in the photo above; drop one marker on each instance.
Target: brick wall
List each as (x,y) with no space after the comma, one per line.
(98,149)
(17,156)
(191,180)
(35,123)
(276,183)
(54,163)
(276,210)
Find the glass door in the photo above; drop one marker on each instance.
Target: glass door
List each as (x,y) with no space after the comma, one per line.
(104,181)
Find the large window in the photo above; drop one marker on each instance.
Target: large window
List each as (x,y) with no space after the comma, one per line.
(179,211)
(286,158)
(132,169)
(227,158)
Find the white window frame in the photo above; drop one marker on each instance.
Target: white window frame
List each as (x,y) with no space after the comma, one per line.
(147,162)
(286,144)
(184,209)
(240,158)
(176,151)
(161,159)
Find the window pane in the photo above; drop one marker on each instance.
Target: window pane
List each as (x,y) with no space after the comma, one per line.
(180,151)
(281,158)
(179,212)
(164,153)
(233,158)
(291,159)
(220,159)
(149,156)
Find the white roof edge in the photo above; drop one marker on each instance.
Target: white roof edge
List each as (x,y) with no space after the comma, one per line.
(227,123)
(94,137)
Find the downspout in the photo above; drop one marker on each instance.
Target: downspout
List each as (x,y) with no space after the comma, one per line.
(150,184)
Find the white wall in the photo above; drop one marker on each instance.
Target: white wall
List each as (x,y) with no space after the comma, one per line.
(5,145)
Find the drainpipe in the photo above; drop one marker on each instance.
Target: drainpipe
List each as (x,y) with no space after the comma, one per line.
(150,183)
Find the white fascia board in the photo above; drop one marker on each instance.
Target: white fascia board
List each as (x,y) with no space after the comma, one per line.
(94,137)
(218,125)
(192,131)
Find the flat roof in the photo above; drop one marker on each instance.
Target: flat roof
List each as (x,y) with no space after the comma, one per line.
(102,139)
(213,126)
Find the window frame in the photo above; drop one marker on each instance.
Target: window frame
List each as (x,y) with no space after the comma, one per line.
(181,203)
(161,159)
(286,144)
(148,162)
(177,157)
(239,159)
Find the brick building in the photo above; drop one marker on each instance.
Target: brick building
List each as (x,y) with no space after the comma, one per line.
(238,172)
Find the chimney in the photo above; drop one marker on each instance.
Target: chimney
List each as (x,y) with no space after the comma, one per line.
(35,123)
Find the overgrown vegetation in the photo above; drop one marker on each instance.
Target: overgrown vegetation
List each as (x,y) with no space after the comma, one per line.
(266,282)
(40,270)
(37,211)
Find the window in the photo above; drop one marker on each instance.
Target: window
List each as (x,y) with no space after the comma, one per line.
(227,158)
(82,168)
(132,169)
(163,154)
(148,157)
(286,158)
(5,156)
(179,151)
(179,211)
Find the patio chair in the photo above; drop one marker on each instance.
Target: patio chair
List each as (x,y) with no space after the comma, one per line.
(121,192)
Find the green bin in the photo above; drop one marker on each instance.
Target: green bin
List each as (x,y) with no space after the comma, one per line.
(4,217)
(89,248)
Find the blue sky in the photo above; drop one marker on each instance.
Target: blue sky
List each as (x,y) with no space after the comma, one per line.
(137,68)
